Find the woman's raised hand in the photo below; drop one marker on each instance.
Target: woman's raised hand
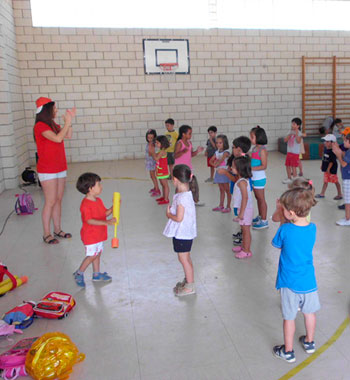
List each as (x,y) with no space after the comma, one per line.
(73,111)
(67,117)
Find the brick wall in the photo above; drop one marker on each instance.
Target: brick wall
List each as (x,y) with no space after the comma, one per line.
(239,78)
(13,139)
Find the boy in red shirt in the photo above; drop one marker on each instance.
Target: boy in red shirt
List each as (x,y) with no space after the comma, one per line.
(94,230)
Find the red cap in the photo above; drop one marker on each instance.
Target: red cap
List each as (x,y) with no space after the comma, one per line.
(41,102)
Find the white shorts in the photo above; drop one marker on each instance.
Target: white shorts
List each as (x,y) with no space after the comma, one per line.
(94,249)
(46,176)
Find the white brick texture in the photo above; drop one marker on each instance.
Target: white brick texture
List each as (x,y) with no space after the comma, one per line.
(239,78)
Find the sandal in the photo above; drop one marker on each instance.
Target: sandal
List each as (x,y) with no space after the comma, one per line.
(338,197)
(63,235)
(319,196)
(243,255)
(50,241)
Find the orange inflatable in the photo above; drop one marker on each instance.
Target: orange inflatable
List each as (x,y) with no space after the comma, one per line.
(52,356)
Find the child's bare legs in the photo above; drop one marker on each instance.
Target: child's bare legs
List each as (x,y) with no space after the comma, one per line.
(288,332)
(324,188)
(222,194)
(171,168)
(212,171)
(95,260)
(246,238)
(347,211)
(194,188)
(310,326)
(337,185)
(152,174)
(289,172)
(165,186)
(186,262)
(300,168)
(262,206)
(294,171)
(226,187)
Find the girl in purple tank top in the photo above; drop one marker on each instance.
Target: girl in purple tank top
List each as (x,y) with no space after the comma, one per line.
(183,155)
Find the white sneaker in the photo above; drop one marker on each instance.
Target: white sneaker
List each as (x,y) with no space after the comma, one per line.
(287,181)
(343,222)
(199,204)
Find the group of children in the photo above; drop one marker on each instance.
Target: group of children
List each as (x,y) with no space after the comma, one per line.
(169,156)
(173,149)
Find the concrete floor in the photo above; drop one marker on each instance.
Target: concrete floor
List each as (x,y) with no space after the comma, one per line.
(134,328)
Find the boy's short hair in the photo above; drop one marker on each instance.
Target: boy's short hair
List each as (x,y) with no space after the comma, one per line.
(86,181)
(299,200)
(212,129)
(242,142)
(297,121)
(170,121)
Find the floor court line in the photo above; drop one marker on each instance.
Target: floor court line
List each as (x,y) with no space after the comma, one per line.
(320,351)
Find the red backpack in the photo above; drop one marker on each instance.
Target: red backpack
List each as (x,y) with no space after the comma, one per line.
(12,362)
(55,305)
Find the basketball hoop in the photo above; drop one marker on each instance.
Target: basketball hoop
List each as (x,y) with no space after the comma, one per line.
(168,70)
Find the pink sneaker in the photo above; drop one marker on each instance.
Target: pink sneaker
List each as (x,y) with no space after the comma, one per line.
(151,191)
(155,193)
(243,255)
(226,210)
(219,208)
(237,248)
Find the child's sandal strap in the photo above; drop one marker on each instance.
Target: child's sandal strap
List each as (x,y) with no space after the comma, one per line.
(50,241)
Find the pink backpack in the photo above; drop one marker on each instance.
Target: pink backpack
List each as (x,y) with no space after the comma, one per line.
(24,204)
(12,362)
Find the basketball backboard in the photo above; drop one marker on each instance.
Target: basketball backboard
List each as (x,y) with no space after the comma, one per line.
(158,51)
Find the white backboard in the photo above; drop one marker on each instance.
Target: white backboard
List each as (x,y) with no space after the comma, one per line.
(158,51)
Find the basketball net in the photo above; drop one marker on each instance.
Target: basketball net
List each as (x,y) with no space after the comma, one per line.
(168,71)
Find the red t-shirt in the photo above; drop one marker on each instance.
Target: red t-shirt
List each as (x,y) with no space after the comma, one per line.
(52,156)
(92,210)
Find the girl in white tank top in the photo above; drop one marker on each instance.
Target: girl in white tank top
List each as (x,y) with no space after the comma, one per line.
(242,199)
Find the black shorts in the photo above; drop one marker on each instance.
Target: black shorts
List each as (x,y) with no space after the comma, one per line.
(181,245)
(171,159)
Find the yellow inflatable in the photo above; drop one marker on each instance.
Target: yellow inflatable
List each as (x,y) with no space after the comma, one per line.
(7,285)
(52,356)
(116,214)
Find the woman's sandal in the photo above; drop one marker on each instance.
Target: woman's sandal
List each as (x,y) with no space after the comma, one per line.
(52,240)
(63,235)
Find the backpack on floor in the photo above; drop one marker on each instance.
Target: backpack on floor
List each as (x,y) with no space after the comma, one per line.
(24,204)
(21,316)
(55,305)
(29,176)
(12,362)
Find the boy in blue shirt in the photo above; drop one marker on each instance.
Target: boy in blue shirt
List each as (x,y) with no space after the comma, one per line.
(344,160)
(296,274)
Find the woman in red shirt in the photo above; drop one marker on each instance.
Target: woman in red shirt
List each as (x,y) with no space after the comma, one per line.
(52,164)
